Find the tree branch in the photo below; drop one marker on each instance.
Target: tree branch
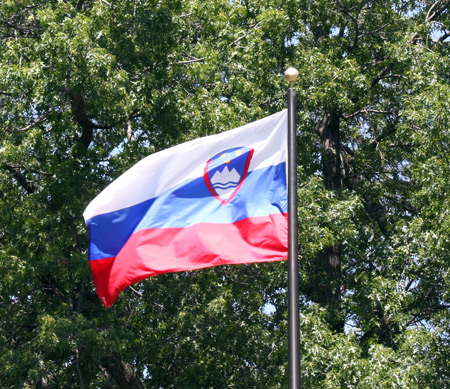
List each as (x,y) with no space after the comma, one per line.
(252,28)
(130,135)
(444,37)
(77,366)
(379,76)
(431,16)
(80,116)
(187,62)
(29,186)
(39,120)
(366,111)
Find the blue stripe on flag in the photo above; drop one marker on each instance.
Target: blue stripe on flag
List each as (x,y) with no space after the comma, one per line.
(263,193)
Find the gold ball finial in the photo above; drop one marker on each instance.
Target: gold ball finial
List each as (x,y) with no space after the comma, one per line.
(291,74)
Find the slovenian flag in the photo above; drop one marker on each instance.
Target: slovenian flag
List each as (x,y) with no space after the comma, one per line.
(212,201)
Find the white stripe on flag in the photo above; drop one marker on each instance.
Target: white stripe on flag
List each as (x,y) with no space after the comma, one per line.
(161,171)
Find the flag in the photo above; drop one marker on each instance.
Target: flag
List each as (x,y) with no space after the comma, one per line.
(216,200)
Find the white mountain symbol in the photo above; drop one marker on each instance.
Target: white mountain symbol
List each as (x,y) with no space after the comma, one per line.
(225,182)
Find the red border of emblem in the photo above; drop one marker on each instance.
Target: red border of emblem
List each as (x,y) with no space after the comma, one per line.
(244,175)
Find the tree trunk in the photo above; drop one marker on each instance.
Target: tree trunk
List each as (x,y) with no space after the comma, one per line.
(329,260)
(122,372)
(329,133)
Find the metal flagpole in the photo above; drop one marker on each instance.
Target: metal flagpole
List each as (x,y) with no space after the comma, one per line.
(291,75)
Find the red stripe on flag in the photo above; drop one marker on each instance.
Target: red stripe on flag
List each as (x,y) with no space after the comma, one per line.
(155,251)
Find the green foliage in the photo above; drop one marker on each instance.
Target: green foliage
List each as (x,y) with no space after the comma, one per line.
(87,88)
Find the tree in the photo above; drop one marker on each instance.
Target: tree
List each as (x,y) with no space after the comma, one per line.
(87,88)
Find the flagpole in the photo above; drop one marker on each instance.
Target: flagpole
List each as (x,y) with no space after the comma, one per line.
(291,75)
